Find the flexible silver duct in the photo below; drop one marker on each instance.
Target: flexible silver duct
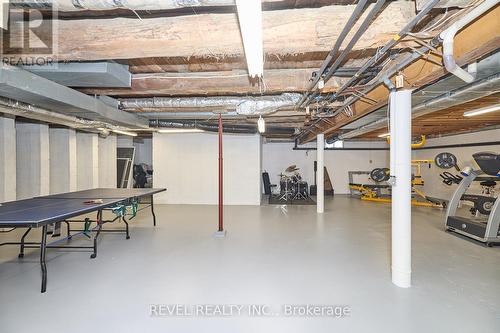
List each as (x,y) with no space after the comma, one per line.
(482,88)
(242,105)
(75,5)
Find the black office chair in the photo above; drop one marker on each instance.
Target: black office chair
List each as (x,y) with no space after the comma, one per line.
(267,183)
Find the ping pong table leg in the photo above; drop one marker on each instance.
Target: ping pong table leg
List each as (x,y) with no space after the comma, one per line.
(99,223)
(127,236)
(43,248)
(21,250)
(68,230)
(153,211)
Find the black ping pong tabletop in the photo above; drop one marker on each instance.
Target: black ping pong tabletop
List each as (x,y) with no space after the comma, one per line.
(47,210)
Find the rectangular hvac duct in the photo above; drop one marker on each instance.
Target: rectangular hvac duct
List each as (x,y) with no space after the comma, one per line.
(102,74)
(21,85)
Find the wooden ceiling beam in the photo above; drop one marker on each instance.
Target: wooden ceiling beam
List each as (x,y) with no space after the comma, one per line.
(215,83)
(291,31)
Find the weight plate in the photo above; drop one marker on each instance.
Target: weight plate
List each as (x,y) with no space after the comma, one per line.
(445,160)
(379,174)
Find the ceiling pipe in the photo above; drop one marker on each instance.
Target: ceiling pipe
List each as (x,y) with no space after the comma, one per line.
(389,45)
(375,59)
(213,127)
(482,88)
(189,115)
(19,109)
(242,105)
(333,52)
(448,37)
(361,30)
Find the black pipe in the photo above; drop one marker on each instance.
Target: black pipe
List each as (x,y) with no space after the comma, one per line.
(461,145)
(353,148)
(212,127)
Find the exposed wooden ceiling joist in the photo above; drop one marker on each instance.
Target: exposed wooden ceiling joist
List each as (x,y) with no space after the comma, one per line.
(452,119)
(215,83)
(286,32)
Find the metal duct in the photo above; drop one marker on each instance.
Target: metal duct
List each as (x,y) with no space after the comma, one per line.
(76,5)
(242,105)
(190,115)
(482,88)
(21,85)
(212,127)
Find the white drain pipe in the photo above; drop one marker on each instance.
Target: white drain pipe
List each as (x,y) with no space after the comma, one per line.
(400,154)
(448,37)
(320,176)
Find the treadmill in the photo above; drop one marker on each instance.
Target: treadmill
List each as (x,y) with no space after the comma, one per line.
(485,229)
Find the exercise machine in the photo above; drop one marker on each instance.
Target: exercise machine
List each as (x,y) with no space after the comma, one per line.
(380,191)
(484,223)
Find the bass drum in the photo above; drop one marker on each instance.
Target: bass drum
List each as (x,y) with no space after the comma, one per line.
(286,185)
(302,188)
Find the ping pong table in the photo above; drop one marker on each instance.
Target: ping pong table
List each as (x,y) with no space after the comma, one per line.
(46,211)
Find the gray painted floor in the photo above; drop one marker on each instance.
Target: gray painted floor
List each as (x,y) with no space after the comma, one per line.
(271,256)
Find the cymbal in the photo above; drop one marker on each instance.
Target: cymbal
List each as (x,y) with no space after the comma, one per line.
(292,168)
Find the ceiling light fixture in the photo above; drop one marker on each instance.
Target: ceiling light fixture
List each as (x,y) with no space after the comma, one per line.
(124,132)
(385,135)
(250,18)
(482,111)
(180,130)
(261,125)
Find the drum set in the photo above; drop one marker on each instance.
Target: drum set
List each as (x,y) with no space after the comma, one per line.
(292,187)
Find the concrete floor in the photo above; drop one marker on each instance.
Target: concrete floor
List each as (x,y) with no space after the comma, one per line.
(271,256)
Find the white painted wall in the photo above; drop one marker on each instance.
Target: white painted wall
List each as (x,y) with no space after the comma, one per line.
(32,160)
(187,165)
(63,169)
(87,163)
(107,161)
(278,156)
(144,151)
(433,184)
(7,159)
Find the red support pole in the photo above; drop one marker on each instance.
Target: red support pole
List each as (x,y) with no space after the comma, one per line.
(221,203)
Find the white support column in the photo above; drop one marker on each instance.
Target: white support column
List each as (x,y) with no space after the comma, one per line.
(87,163)
(320,183)
(107,162)
(7,159)
(400,121)
(32,160)
(62,160)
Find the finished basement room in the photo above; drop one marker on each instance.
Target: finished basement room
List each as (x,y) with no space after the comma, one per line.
(250,166)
